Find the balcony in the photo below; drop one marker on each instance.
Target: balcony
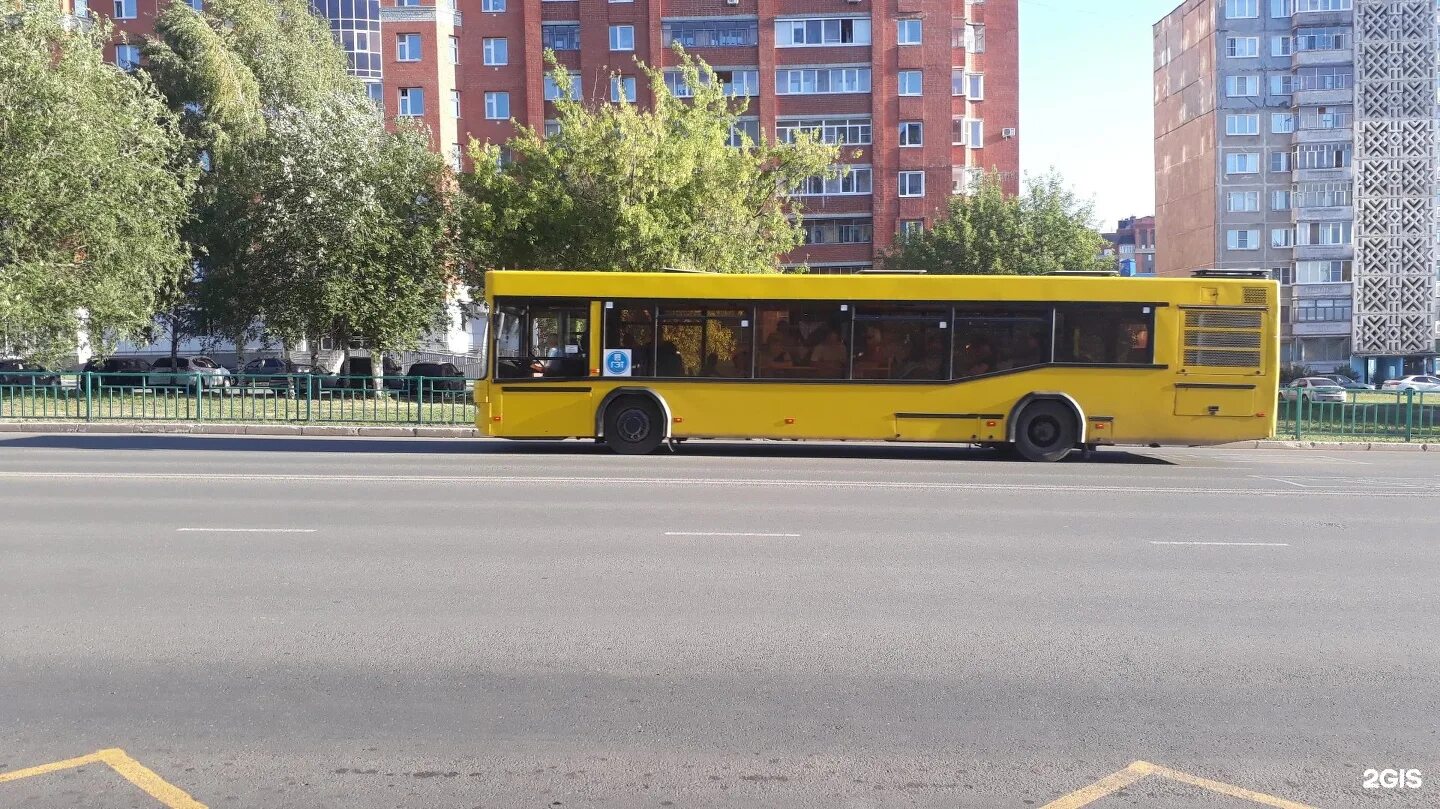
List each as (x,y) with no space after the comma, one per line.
(1342,134)
(1323,98)
(1335,56)
(1329,213)
(1324,252)
(1320,328)
(1324,175)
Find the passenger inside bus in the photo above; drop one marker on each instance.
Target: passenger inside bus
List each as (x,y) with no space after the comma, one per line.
(830,356)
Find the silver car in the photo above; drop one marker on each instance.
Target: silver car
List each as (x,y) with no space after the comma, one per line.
(1313,389)
(186,372)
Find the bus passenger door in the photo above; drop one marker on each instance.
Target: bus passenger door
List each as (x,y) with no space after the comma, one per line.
(542,387)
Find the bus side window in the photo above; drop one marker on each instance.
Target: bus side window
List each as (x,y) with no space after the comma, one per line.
(633,327)
(804,341)
(1104,334)
(535,341)
(988,340)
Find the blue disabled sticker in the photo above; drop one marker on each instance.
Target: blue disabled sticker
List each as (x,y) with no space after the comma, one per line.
(617,362)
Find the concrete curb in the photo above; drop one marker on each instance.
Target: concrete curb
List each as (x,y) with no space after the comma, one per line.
(1335,446)
(181,428)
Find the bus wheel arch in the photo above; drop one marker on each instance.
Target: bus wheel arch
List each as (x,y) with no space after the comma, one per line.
(633,421)
(1046,426)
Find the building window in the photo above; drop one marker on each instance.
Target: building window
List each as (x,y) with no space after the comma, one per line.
(817,81)
(907,31)
(492,5)
(1242,239)
(454,103)
(1282,84)
(622,37)
(1282,237)
(560,36)
(376,92)
(710,33)
(412,102)
(497,106)
(1323,156)
(909,82)
(1323,234)
(1302,6)
(1280,9)
(622,88)
(845,131)
(1246,124)
(1282,123)
(1242,86)
(1280,200)
(1324,78)
(912,133)
(910,228)
(745,132)
(1322,195)
(1242,201)
(1322,39)
(1241,9)
(127,57)
(912,183)
(124,9)
(975,38)
(975,132)
(1242,47)
(1322,310)
(552,90)
(495,50)
(827,31)
(454,50)
(838,231)
(1279,161)
(855,181)
(1322,272)
(1281,45)
(1328,118)
(407,47)
(1242,163)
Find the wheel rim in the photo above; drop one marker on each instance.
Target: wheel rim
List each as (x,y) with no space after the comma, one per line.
(633,425)
(1043,431)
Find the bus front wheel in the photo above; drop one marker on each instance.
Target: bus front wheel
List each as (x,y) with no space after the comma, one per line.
(634,425)
(1045,431)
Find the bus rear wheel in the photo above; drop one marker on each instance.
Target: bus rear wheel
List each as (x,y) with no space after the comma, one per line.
(1045,431)
(634,425)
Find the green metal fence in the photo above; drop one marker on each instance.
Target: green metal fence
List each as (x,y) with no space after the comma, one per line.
(199,397)
(314,399)
(1364,415)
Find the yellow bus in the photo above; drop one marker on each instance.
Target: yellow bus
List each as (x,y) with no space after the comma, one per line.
(1041,365)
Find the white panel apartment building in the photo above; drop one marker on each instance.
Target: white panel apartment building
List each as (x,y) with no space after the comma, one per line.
(1301,136)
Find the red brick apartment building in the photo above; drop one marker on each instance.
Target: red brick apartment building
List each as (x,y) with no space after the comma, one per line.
(926,91)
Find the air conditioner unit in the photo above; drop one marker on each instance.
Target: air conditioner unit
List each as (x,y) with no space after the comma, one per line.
(853,2)
(732,2)
(1008,132)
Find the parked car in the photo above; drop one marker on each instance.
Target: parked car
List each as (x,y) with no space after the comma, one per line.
(280,375)
(434,378)
(29,374)
(187,372)
(118,372)
(361,369)
(1346,382)
(1417,382)
(1313,389)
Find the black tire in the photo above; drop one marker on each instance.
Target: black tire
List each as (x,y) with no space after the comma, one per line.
(634,425)
(1045,431)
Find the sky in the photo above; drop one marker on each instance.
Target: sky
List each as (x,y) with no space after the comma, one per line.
(1086,105)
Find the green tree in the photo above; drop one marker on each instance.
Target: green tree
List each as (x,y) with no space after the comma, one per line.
(311,218)
(346,227)
(1047,228)
(619,187)
(93,188)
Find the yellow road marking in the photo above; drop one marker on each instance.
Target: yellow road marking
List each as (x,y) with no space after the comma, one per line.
(1138,770)
(67,764)
(128,768)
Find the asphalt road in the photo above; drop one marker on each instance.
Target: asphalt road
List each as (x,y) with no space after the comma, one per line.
(479,624)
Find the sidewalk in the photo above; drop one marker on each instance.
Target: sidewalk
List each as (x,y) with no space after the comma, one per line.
(417,431)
